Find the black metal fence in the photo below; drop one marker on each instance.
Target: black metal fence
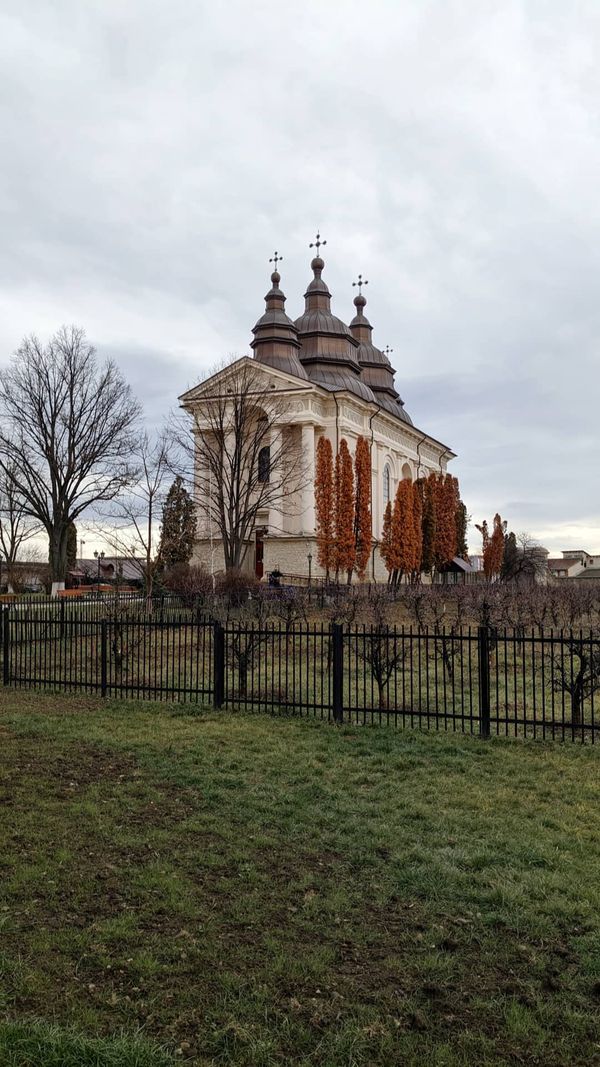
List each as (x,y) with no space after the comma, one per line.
(484,681)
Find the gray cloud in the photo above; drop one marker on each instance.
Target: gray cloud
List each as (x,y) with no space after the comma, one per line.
(155,155)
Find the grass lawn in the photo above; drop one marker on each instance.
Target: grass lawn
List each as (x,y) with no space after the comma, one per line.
(202,888)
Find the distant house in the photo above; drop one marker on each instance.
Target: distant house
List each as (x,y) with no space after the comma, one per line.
(575,563)
(107,571)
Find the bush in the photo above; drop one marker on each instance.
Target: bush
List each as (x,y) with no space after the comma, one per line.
(193,584)
(236,587)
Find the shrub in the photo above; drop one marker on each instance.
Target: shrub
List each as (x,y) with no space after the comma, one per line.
(193,584)
(235,587)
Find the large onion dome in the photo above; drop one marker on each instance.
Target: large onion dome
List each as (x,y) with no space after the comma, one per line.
(275,336)
(329,351)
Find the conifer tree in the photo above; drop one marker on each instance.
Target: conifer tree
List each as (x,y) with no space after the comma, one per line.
(493,546)
(403,531)
(510,560)
(363,531)
(178,528)
(462,522)
(385,549)
(345,552)
(417,507)
(429,526)
(71,547)
(325,506)
(445,513)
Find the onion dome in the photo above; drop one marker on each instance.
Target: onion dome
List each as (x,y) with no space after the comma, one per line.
(376,369)
(275,336)
(329,351)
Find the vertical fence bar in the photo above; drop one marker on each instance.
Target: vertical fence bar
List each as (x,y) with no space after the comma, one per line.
(337,671)
(103,657)
(483,645)
(5,646)
(218,665)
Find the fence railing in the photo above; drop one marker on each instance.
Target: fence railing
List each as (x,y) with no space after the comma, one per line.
(482,680)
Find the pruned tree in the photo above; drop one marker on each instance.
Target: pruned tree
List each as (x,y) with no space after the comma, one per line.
(403,553)
(324,506)
(178,527)
(345,549)
(66,431)
(17,528)
(386,547)
(417,509)
(426,486)
(445,495)
(363,526)
(493,547)
(246,459)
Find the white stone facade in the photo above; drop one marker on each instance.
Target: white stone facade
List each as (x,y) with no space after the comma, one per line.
(287,530)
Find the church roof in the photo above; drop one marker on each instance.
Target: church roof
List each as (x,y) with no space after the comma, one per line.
(275,335)
(376,370)
(319,347)
(329,351)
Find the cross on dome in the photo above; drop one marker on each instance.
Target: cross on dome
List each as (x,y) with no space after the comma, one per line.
(276,258)
(360,283)
(387,350)
(317,243)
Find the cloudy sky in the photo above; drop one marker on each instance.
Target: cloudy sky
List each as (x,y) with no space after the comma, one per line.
(155,154)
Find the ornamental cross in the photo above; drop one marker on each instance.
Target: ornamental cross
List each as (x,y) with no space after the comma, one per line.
(360,283)
(317,244)
(276,258)
(387,350)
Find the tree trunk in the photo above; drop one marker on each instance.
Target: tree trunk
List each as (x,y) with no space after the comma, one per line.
(57,557)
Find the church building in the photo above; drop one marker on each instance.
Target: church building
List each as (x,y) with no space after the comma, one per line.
(335,382)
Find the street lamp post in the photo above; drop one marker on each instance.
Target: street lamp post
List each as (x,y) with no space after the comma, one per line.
(309,557)
(99,556)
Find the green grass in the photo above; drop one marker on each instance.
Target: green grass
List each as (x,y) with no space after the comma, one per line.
(180,887)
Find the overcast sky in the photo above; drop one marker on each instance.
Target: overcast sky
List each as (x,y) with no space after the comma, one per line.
(155,154)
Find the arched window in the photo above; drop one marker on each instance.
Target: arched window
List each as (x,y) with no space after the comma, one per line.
(387,485)
(264,464)
(406,472)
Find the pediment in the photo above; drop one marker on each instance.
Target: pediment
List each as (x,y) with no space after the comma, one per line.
(264,375)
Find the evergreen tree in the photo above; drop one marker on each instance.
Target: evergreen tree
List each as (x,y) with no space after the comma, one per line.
(324,506)
(363,530)
(385,548)
(71,547)
(345,552)
(510,561)
(429,527)
(178,528)
(417,508)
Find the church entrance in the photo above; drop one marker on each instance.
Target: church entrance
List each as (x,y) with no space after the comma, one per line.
(259,555)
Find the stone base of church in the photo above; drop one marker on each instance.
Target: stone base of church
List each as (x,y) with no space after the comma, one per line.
(285,553)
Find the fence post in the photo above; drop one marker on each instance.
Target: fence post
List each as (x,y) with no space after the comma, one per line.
(218,665)
(103,657)
(337,671)
(6,646)
(483,648)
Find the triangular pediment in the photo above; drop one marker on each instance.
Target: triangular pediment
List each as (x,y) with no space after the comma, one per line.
(263,374)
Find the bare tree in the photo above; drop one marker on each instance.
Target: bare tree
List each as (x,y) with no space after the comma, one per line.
(66,432)
(137,511)
(16,527)
(246,459)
